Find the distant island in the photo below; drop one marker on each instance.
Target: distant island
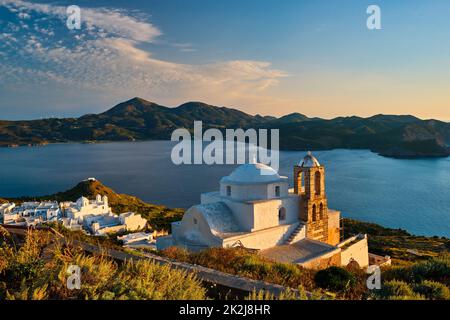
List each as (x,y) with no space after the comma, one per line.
(399,136)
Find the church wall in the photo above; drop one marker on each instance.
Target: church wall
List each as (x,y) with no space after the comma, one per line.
(325,261)
(263,239)
(242,212)
(254,191)
(245,192)
(257,215)
(284,190)
(334,231)
(266,213)
(357,251)
(194,229)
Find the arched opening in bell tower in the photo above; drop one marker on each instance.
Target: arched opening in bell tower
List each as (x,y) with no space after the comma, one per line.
(300,182)
(321,213)
(317,183)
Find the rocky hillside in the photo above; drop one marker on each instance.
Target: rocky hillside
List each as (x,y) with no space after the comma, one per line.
(138,119)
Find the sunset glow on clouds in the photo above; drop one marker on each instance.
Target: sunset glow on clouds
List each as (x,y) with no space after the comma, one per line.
(46,69)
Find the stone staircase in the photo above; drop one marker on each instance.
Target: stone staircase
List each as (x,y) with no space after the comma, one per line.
(294,234)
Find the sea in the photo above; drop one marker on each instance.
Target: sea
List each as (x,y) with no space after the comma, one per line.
(412,194)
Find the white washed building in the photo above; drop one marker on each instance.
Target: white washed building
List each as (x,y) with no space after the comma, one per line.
(83,207)
(30,213)
(254,208)
(96,216)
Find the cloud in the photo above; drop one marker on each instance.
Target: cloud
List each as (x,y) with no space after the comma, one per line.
(107,56)
(113,21)
(184,47)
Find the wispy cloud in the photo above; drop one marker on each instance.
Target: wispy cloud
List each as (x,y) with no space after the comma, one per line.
(184,47)
(107,55)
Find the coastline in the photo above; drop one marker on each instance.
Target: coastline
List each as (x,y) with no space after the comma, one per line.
(137,202)
(380,153)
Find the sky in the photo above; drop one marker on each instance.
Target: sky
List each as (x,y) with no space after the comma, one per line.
(268,57)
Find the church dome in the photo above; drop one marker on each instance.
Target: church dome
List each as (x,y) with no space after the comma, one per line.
(252,173)
(309,161)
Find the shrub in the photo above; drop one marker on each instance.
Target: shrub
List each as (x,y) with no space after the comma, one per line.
(176,253)
(436,269)
(255,266)
(146,280)
(287,271)
(396,290)
(433,290)
(39,271)
(335,279)
(225,260)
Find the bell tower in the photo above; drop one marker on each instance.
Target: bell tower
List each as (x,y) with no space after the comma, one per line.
(309,185)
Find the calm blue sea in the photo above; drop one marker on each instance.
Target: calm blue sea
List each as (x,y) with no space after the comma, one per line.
(409,194)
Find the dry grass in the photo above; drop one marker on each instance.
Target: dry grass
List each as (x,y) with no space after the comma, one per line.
(37,269)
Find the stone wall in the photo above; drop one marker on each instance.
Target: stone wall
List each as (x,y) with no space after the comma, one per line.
(355,249)
(334,230)
(325,261)
(262,239)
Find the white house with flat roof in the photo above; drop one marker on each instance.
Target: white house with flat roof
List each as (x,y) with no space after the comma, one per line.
(30,213)
(84,207)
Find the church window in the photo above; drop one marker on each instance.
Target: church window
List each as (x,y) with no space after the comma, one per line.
(317,181)
(321,211)
(228,191)
(282,214)
(301,182)
(277,191)
(314,212)
(195,221)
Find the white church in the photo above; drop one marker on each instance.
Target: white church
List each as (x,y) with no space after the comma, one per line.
(256,209)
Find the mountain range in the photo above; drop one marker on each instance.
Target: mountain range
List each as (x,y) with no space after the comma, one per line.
(138,119)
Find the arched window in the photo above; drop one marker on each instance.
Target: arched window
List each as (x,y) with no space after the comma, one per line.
(314,212)
(228,191)
(300,182)
(282,214)
(321,211)
(277,191)
(317,182)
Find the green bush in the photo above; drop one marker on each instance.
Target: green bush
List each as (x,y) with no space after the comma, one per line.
(38,270)
(436,269)
(433,290)
(253,265)
(396,290)
(335,279)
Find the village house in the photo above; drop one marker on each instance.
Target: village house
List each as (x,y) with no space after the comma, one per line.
(137,240)
(6,209)
(30,213)
(84,207)
(256,209)
(96,216)
(101,225)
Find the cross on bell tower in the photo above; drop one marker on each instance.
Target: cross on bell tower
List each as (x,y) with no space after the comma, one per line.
(309,185)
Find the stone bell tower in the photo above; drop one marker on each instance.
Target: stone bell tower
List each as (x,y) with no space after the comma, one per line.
(309,184)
